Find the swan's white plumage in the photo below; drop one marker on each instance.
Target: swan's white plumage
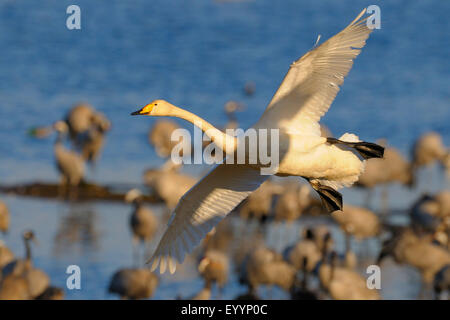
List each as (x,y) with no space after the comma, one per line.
(201,208)
(304,96)
(339,160)
(312,82)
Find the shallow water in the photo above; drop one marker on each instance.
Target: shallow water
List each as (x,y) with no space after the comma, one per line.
(196,54)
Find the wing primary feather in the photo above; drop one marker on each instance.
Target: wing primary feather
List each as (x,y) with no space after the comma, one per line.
(178,249)
(317,41)
(162,264)
(185,246)
(201,208)
(155,263)
(171,262)
(313,81)
(359,16)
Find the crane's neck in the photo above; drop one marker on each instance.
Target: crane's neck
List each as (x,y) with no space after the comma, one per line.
(59,139)
(305,274)
(326,265)
(224,141)
(27,250)
(137,203)
(347,244)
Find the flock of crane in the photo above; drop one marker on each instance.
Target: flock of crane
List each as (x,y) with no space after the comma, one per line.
(239,242)
(311,267)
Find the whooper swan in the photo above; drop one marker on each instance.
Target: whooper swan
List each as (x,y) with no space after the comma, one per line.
(304,96)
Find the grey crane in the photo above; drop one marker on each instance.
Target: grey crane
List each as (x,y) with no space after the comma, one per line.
(427,150)
(305,250)
(69,163)
(133,283)
(393,168)
(159,137)
(420,252)
(267,267)
(343,283)
(143,222)
(20,275)
(214,268)
(79,121)
(303,292)
(95,138)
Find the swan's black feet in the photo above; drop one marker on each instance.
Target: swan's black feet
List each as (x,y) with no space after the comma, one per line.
(366,149)
(331,199)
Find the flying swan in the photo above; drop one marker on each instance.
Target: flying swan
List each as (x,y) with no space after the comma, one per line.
(304,96)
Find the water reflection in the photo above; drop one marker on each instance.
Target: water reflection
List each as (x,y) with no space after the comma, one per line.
(77,231)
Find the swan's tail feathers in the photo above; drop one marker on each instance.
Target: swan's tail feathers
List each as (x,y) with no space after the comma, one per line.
(331,199)
(367,150)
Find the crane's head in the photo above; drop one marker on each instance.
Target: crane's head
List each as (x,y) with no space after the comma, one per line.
(28,235)
(204,263)
(154,108)
(133,195)
(102,123)
(61,126)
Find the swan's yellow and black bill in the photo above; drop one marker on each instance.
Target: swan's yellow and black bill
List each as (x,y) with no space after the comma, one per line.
(144,111)
(136,113)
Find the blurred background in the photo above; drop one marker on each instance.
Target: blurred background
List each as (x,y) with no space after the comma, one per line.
(200,55)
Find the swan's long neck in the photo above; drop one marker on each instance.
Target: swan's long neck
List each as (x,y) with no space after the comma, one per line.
(224,141)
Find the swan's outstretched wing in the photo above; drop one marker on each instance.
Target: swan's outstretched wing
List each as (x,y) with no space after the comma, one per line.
(201,208)
(313,81)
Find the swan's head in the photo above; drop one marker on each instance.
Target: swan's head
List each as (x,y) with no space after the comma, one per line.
(154,108)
